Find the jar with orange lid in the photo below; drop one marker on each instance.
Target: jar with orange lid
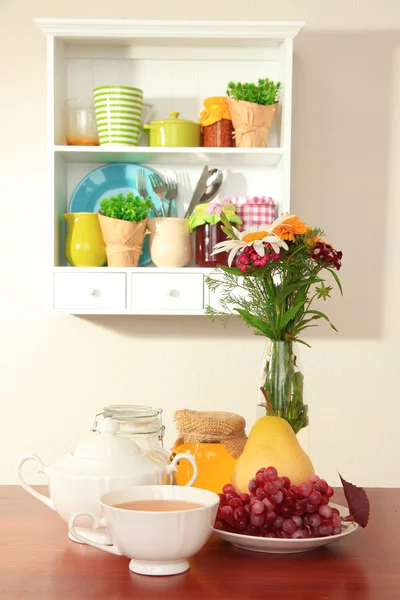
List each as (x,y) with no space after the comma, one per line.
(216,123)
(216,439)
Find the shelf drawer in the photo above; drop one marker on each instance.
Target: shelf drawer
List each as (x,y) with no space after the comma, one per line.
(90,291)
(167,291)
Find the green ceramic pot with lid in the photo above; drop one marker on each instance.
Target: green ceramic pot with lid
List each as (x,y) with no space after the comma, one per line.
(173,132)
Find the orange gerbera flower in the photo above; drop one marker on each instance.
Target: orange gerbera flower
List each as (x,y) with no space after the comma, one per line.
(289,228)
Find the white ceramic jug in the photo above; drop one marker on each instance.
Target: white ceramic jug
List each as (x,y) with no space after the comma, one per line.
(170,242)
(102,463)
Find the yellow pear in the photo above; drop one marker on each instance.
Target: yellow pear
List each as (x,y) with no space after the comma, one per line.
(271,443)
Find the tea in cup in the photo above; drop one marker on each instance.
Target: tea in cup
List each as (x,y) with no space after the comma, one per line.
(158,527)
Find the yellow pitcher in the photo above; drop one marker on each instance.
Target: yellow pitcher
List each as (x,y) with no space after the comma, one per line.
(84,246)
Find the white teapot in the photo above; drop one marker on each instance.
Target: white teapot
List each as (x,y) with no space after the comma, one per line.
(102,463)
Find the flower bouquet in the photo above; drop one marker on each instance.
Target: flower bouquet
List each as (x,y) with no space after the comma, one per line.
(277,277)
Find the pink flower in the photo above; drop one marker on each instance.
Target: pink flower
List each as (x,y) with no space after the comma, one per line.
(215,207)
(249,257)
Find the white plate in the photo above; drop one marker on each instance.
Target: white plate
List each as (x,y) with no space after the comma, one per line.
(285,546)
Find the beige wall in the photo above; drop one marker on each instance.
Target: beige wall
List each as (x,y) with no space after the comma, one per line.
(56,372)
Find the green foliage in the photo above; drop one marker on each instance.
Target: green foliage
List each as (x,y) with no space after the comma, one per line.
(126,207)
(264,92)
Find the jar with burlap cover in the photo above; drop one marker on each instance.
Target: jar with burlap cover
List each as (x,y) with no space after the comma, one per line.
(216,439)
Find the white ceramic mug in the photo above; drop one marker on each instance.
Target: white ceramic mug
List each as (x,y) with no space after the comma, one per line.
(157,542)
(170,242)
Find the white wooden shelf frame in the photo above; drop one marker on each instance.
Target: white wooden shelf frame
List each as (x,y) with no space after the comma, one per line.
(78,52)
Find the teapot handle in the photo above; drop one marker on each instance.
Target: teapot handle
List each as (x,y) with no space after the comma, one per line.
(41,468)
(173,466)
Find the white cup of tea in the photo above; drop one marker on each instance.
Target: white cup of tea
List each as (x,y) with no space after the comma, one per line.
(157,526)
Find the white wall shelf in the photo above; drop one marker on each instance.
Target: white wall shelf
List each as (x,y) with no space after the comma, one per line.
(263,157)
(178,64)
(131,291)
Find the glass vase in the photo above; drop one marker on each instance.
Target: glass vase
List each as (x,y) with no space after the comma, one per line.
(282,378)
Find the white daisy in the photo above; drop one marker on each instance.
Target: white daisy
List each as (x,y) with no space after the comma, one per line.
(253,236)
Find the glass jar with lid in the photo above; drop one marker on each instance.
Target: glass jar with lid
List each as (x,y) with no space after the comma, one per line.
(215,439)
(216,123)
(206,222)
(142,424)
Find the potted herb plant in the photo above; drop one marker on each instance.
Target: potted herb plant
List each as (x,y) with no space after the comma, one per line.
(123,220)
(252,107)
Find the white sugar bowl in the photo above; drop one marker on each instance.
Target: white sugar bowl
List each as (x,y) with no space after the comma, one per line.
(103,463)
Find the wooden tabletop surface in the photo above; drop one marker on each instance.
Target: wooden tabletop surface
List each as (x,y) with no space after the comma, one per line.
(38,561)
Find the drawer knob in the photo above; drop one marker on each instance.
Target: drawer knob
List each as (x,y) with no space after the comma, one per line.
(95,293)
(173,293)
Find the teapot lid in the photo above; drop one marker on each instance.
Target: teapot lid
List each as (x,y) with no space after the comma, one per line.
(107,444)
(172,120)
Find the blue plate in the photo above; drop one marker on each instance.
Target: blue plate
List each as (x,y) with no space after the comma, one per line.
(110,180)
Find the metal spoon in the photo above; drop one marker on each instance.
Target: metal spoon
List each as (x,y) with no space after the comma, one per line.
(214,182)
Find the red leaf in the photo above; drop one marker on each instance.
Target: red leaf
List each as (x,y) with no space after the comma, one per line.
(357,501)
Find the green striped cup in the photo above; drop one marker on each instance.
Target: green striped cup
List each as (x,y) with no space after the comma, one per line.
(119,110)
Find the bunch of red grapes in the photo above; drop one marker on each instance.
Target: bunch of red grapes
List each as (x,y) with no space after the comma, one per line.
(277,509)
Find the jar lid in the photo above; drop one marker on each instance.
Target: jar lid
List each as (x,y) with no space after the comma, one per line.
(211,213)
(127,412)
(243,200)
(173,119)
(216,109)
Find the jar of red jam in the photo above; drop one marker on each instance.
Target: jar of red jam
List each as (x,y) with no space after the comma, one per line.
(206,222)
(216,123)
(207,236)
(219,134)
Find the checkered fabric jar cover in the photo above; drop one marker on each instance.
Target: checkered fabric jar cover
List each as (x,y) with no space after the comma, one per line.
(253,210)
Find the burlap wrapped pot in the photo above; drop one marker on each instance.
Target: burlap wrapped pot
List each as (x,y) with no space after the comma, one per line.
(251,122)
(123,240)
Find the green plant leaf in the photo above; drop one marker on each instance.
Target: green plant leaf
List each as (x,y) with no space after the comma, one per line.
(287,316)
(232,270)
(126,207)
(255,322)
(224,229)
(336,278)
(265,91)
(270,289)
(301,342)
(227,226)
(321,316)
(293,287)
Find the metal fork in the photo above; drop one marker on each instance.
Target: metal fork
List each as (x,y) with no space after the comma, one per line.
(142,188)
(172,190)
(160,190)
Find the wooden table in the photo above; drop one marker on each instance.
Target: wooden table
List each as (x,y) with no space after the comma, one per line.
(38,561)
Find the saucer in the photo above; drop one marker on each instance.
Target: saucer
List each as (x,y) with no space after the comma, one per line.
(286,546)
